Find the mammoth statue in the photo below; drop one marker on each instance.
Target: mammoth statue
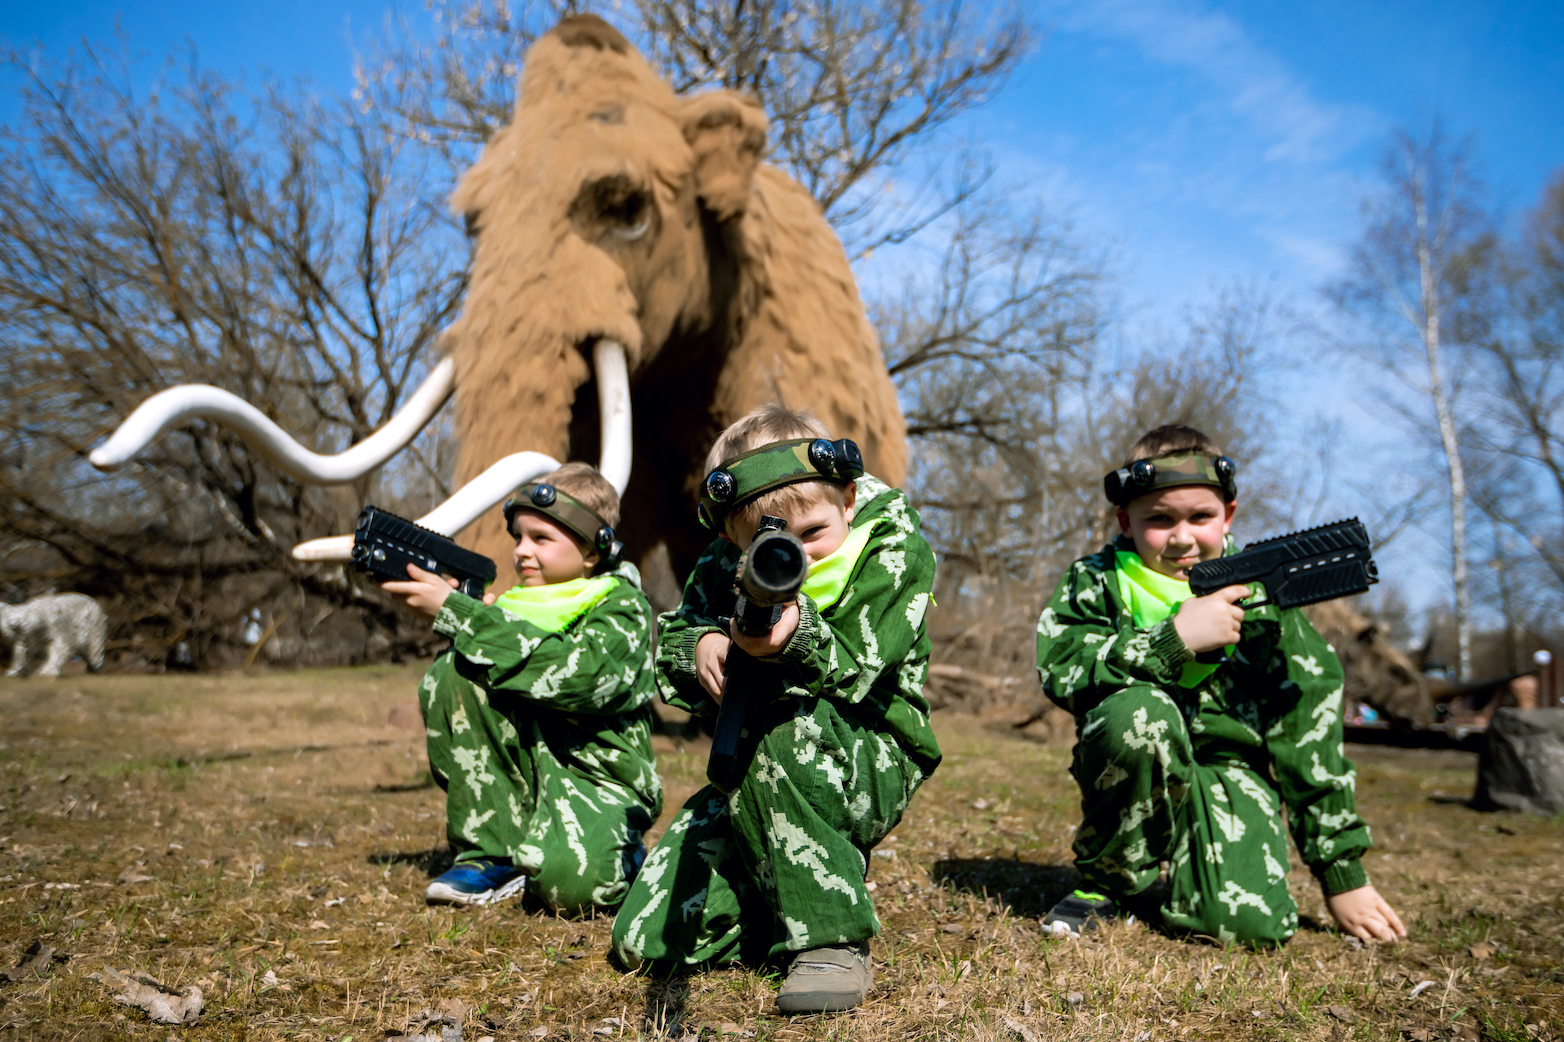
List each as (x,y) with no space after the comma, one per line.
(640,279)
(1377,672)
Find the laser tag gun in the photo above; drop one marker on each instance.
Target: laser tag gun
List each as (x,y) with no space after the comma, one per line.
(384,545)
(1316,564)
(767,581)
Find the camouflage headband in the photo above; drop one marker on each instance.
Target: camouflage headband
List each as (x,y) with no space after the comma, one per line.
(1170,471)
(758,471)
(564,508)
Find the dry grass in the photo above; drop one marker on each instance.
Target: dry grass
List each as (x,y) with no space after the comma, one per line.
(211,830)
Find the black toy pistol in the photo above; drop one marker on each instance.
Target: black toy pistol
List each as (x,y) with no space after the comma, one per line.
(384,545)
(1316,564)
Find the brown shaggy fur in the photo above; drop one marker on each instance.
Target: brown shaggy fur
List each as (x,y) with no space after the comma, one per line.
(612,207)
(1378,672)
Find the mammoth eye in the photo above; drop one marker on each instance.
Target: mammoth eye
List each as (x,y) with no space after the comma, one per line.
(615,206)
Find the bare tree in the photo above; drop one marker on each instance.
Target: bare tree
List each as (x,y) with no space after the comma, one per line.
(852,90)
(286,255)
(1518,326)
(1421,236)
(1015,430)
(301,255)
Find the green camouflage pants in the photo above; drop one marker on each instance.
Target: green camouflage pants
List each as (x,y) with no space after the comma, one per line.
(777,865)
(1145,799)
(508,795)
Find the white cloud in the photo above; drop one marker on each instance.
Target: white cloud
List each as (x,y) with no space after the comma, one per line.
(1318,257)
(1257,86)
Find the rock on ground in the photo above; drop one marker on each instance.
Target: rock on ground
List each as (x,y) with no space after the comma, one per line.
(1522,764)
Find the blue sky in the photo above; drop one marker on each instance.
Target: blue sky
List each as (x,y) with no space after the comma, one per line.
(1214,140)
(1204,141)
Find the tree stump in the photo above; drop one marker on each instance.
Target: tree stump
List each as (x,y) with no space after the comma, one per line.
(1522,763)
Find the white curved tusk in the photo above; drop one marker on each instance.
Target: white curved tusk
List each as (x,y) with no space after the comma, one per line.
(503,477)
(613,406)
(174,406)
(456,513)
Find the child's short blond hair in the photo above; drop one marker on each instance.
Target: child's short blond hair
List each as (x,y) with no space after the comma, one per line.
(582,482)
(768,424)
(1169,439)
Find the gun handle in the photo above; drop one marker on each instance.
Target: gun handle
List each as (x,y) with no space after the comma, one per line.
(722,767)
(756,620)
(1215,656)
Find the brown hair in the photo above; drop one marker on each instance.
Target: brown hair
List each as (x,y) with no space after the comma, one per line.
(582,482)
(1168,439)
(772,423)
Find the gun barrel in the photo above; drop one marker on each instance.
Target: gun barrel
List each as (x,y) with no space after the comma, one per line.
(769,576)
(773,568)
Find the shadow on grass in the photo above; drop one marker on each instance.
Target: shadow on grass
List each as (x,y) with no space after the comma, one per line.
(1025,889)
(433,861)
(666,999)
(1309,924)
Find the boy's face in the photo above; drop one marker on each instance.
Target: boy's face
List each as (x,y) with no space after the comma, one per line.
(546,552)
(821,525)
(1175,528)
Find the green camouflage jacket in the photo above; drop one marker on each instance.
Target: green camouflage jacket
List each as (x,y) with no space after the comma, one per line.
(1275,704)
(588,685)
(862,642)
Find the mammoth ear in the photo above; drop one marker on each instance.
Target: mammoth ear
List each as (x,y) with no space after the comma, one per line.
(727,133)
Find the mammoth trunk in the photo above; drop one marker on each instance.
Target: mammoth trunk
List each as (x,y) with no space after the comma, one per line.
(502,408)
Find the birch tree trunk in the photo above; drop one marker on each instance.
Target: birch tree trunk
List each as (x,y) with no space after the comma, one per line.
(1419,240)
(1450,440)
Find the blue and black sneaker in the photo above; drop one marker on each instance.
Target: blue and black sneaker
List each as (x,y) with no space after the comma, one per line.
(1079,913)
(477,881)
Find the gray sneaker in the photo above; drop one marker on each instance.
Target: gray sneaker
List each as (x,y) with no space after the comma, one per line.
(827,980)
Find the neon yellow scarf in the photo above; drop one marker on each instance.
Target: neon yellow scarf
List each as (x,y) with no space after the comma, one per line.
(828,576)
(1152,597)
(556,605)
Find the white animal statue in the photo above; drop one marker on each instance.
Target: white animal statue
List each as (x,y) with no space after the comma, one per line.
(65,624)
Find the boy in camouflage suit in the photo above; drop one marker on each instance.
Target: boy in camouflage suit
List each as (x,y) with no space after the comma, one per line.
(836,736)
(1190,763)
(539,713)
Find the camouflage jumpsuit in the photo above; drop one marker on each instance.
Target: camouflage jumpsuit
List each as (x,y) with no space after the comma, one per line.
(539,725)
(834,749)
(1191,764)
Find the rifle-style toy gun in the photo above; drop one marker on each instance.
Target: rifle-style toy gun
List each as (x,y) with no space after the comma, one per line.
(384,545)
(768,579)
(1316,564)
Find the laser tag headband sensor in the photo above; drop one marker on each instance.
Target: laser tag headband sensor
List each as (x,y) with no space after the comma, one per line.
(576,516)
(1174,469)
(769,467)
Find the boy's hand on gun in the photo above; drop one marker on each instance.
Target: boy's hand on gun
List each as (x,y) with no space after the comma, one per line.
(426,592)
(1213,621)
(711,651)
(711,662)
(1365,915)
(768,643)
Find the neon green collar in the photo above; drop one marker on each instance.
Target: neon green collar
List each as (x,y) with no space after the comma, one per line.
(828,576)
(1152,597)
(555,606)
